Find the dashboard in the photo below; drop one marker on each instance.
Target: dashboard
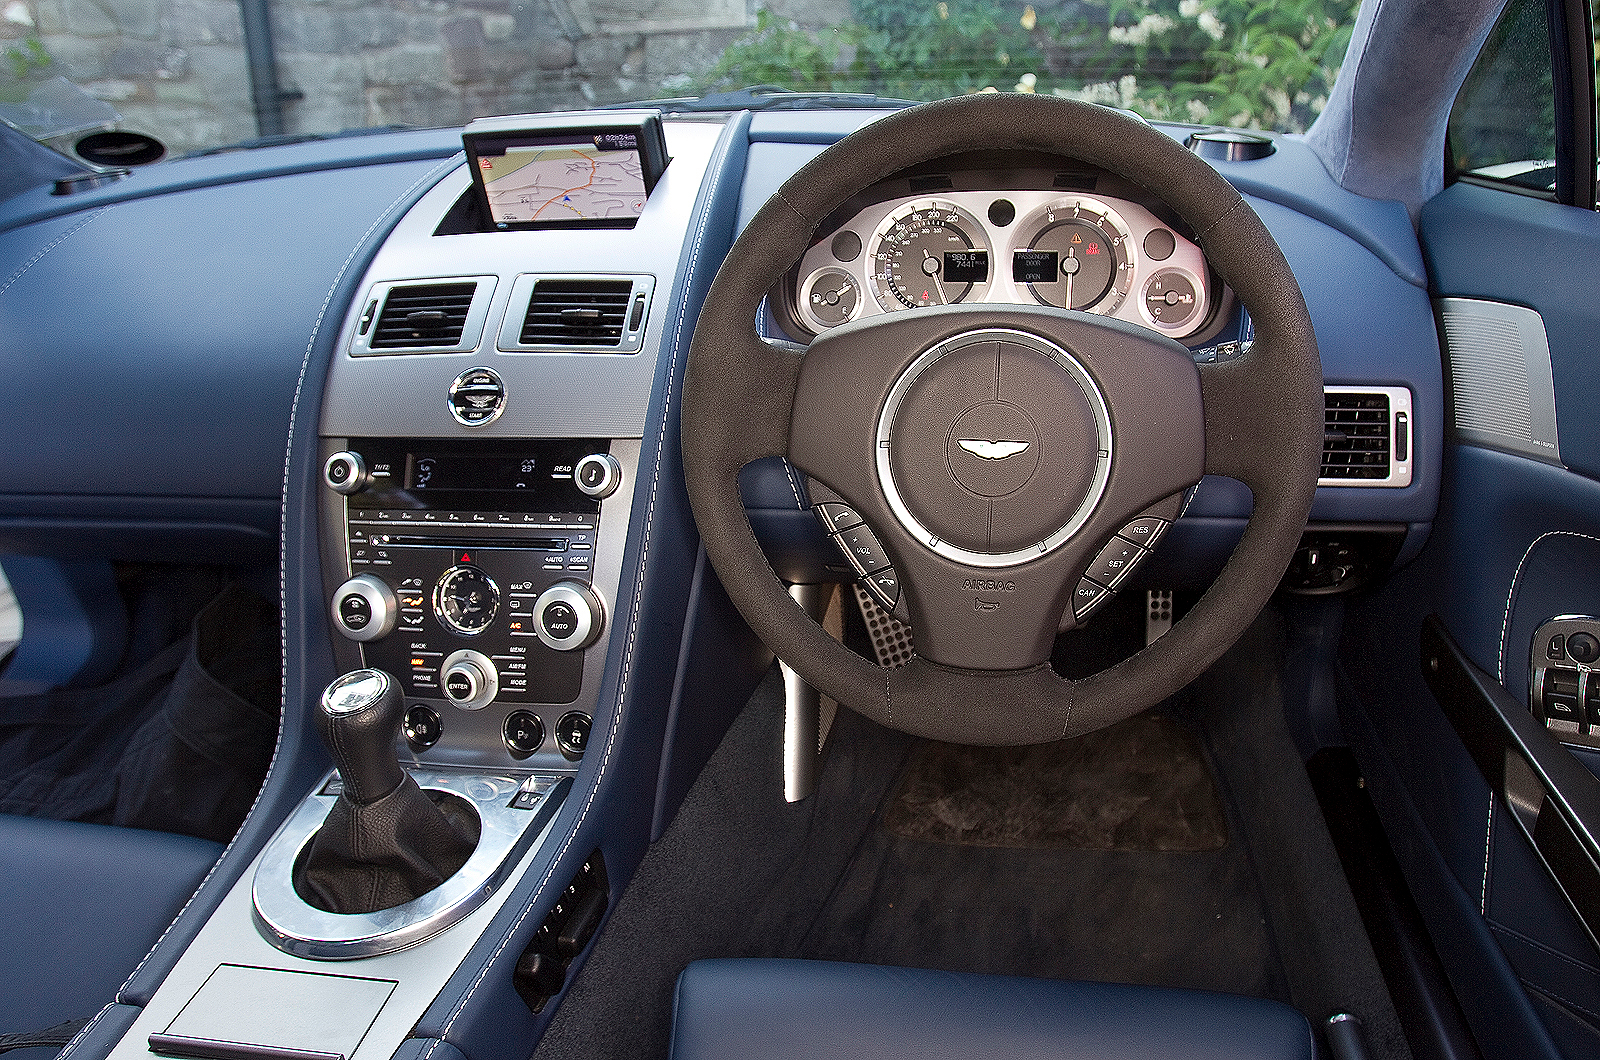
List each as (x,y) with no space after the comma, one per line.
(1071,250)
(500,519)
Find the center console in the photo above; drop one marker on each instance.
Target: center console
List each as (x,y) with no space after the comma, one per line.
(470,525)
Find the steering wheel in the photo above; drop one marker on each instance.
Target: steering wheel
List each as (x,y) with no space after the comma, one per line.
(994,451)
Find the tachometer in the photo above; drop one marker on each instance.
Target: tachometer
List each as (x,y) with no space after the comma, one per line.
(1078,256)
(928,253)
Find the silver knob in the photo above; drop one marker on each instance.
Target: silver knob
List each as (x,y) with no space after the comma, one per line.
(469,679)
(345,473)
(597,475)
(568,616)
(365,608)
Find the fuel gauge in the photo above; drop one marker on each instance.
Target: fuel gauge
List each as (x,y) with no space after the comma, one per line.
(830,296)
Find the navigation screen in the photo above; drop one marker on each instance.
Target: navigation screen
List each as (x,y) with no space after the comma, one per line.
(597,179)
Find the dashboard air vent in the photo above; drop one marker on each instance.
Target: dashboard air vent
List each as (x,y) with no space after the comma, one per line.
(1366,436)
(577,313)
(423,316)
(1355,436)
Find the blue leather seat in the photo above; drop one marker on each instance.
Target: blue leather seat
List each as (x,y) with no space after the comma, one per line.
(759,1009)
(80,906)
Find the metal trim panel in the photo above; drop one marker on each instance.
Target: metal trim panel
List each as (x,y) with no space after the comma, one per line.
(1502,389)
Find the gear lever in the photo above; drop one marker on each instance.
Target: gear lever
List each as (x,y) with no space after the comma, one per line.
(385,841)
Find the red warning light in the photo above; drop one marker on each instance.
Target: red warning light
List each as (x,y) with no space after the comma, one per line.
(1092,248)
(465,558)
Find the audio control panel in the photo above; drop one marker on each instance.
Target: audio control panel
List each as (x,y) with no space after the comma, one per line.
(469,573)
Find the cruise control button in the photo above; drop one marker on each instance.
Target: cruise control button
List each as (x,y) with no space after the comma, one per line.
(884,587)
(1143,531)
(1114,562)
(861,548)
(1088,596)
(837,516)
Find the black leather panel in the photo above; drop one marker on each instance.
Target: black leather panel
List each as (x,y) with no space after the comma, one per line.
(799,1010)
(80,906)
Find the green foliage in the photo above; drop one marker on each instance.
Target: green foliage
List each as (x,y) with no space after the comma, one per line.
(910,49)
(25,64)
(1254,63)
(1261,63)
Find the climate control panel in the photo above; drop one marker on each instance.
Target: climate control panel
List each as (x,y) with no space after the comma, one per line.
(469,575)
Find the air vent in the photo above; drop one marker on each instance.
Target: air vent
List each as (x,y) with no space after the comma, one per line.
(1366,438)
(576,313)
(600,314)
(425,316)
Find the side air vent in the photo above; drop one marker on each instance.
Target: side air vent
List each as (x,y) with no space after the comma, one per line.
(1366,436)
(437,316)
(577,314)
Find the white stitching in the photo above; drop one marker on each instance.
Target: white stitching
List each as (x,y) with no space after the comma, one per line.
(283,595)
(1511,592)
(68,234)
(1488,846)
(633,631)
(794,484)
(81,1035)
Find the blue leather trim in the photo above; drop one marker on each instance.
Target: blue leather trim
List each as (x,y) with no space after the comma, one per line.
(299,759)
(103,1032)
(185,174)
(1295,177)
(719,664)
(612,800)
(173,328)
(81,904)
(799,1010)
(1459,222)
(75,624)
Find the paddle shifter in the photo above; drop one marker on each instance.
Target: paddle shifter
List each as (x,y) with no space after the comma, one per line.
(385,841)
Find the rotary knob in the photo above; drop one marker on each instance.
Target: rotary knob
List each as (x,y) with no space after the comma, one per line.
(365,608)
(469,680)
(598,475)
(345,473)
(568,616)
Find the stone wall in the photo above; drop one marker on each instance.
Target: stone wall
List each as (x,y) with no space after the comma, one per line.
(177,68)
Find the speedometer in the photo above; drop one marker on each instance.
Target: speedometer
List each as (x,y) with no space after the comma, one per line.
(928,253)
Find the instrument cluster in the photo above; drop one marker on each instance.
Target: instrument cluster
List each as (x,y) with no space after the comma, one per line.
(1070,250)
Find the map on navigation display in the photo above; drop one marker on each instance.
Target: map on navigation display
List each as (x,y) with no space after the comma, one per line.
(562,182)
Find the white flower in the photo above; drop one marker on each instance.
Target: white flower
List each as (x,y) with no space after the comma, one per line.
(1212,26)
(1199,113)
(1189,8)
(17,14)
(1028,83)
(1128,89)
(1149,26)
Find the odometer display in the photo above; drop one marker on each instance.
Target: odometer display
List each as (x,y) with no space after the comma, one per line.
(928,253)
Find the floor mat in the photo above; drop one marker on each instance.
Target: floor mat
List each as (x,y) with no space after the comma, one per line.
(1138,785)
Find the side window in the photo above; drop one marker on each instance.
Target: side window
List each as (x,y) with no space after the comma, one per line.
(1503,125)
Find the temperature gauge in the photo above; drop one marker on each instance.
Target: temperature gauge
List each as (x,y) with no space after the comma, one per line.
(1171,299)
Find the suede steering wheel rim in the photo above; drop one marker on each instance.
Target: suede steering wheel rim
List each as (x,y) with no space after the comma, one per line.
(985,678)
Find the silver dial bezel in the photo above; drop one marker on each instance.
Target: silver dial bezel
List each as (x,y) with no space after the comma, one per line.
(1099,214)
(438,599)
(969,226)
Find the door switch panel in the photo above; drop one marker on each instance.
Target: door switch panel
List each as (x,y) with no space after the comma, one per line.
(1564,686)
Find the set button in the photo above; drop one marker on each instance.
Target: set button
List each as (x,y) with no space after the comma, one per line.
(1114,562)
